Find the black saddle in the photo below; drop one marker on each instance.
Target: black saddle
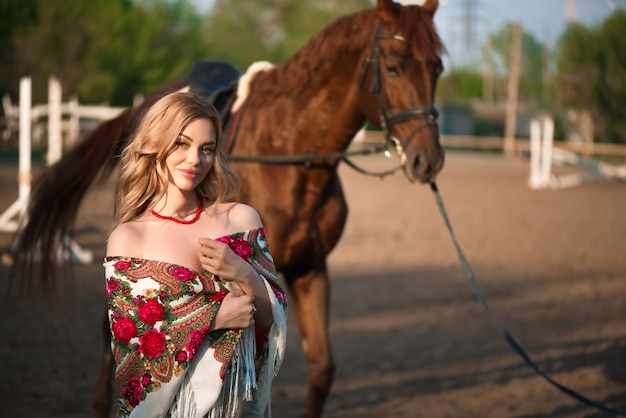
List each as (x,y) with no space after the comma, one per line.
(216,81)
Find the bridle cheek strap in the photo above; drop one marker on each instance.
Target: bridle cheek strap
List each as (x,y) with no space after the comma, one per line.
(427,114)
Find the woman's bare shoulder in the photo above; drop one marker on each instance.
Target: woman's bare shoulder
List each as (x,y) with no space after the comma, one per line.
(125,240)
(240,216)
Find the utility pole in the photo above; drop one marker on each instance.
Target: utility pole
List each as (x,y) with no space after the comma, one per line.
(571,16)
(513,88)
(546,78)
(468,22)
(469,18)
(488,71)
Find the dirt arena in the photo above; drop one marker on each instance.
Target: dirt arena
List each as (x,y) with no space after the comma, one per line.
(409,337)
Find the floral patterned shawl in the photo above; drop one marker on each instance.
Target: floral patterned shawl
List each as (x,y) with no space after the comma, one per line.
(167,361)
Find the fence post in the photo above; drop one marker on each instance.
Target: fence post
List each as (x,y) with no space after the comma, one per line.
(55,141)
(512,90)
(25,140)
(535,182)
(18,208)
(74,131)
(546,152)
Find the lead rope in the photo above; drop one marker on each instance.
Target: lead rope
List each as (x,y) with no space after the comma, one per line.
(507,336)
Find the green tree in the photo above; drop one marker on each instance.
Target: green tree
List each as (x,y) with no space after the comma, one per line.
(110,50)
(155,43)
(460,84)
(244,31)
(591,74)
(65,40)
(15,14)
(102,50)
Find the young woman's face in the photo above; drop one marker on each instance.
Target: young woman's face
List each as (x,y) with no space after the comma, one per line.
(192,158)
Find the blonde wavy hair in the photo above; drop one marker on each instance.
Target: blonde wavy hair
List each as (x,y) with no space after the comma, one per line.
(144,177)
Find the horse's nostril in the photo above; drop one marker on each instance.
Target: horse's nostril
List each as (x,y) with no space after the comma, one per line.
(424,166)
(416,165)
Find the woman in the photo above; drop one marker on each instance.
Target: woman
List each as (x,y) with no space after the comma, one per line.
(196,311)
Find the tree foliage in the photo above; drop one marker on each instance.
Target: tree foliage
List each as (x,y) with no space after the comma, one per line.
(591,74)
(102,50)
(244,31)
(460,85)
(110,50)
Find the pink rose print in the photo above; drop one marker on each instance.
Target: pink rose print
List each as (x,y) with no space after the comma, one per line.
(112,286)
(151,311)
(152,343)
(280,296)
(133,391)
(122,265)
(218,296)
(146,380)
(225,240)
(183,273)
(241,248)
(181,356)
(195,339)
(124,329)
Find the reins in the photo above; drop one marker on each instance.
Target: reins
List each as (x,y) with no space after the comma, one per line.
(427,115)
(308,159)
(507,336)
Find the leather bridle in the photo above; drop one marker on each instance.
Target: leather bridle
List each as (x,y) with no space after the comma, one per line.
(426,114)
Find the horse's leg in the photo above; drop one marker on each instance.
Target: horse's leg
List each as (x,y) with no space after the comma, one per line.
(104,388)
(309,298)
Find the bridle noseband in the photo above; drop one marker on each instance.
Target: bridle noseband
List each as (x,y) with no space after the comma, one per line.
(427,114)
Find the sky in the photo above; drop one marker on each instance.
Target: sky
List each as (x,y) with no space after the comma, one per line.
(464,24)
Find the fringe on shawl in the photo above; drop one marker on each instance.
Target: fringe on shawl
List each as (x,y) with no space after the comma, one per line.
(239,383)
(184,405)
(240,378)
(262,405)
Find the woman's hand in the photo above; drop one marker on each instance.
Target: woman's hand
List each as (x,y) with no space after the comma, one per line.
(218,258)
(237,311)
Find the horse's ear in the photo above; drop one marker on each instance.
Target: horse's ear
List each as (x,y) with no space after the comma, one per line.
(388,11)
(431,6)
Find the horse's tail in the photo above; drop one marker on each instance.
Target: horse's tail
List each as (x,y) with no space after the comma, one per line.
(57,194)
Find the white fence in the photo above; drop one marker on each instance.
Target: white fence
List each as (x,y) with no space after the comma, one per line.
(543,155)
(57,119)
(72,117)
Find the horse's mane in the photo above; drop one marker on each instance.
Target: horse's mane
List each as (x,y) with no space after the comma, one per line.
(420,29)
(348,34)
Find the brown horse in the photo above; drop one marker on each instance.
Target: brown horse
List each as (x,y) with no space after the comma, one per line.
(380,65)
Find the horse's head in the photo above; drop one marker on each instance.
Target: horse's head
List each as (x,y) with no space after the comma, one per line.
(402,68)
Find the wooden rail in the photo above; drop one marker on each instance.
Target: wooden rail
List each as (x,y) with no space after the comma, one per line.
(521,144)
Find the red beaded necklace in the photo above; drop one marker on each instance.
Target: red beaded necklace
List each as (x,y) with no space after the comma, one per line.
(180,221)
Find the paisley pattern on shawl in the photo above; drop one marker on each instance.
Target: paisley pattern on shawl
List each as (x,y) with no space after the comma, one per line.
(160,314)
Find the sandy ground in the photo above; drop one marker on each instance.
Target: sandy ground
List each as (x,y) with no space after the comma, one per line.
(409,337)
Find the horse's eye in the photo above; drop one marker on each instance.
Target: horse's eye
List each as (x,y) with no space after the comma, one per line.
(393,70)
